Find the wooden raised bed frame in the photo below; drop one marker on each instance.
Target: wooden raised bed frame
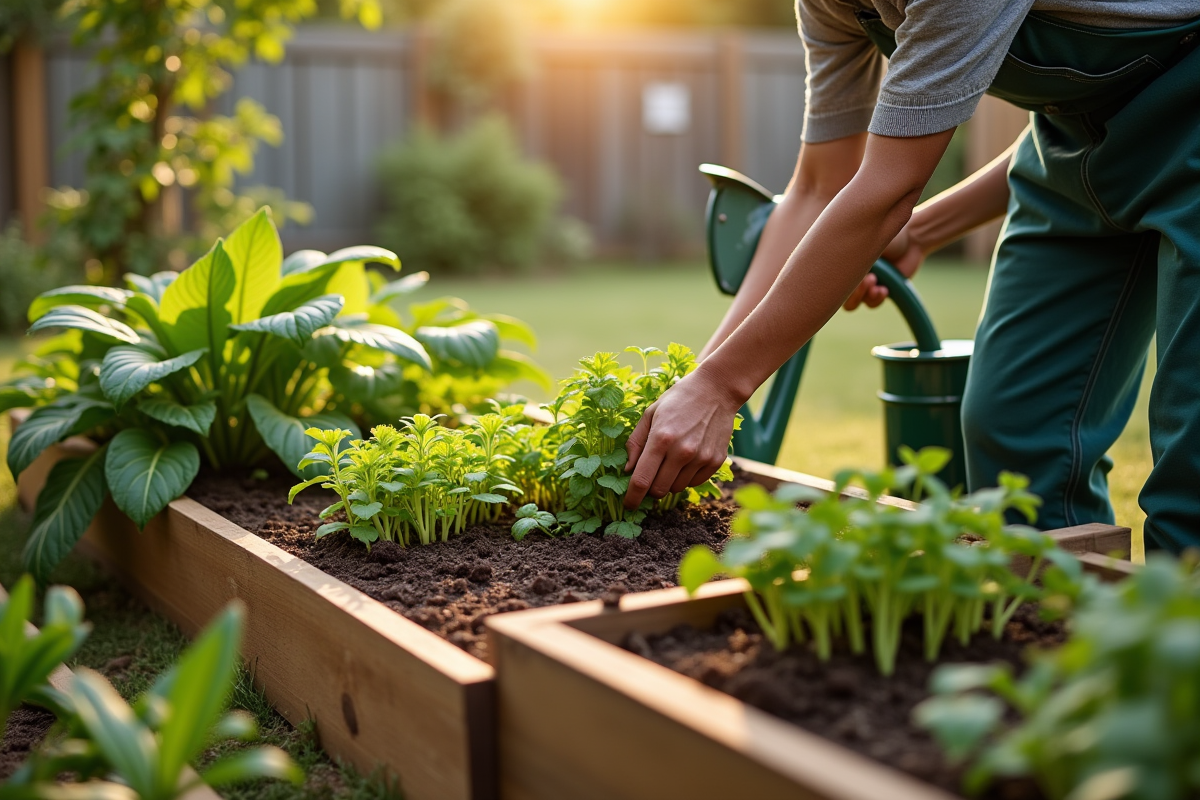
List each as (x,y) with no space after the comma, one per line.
(382,690)
(582,718)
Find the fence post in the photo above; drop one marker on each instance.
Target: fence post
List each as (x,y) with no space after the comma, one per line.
(425,107)
(731,109)
(30,134)
(994,127)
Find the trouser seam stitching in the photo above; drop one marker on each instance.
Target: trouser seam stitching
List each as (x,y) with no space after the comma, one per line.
(1106,341)
(1092,194)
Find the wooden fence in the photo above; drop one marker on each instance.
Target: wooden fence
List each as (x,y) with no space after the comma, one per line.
(624,118)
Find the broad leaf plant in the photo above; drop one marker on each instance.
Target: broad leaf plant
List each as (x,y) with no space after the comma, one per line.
(225,363)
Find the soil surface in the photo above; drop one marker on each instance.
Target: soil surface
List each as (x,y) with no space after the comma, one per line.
(845,700)
(451,587)
(27,727)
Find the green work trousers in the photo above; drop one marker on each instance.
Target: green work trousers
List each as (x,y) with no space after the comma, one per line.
(1100,252)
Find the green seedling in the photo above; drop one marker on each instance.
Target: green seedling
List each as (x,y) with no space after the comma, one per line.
(114,750)
(226,363)
(530,519)
(850,568)
(420,483)
(27,661)
(595,412)
(1111,714)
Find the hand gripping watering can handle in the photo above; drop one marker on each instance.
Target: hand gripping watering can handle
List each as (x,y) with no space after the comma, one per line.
(902,293)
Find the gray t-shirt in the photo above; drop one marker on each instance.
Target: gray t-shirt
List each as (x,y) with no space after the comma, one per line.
(947,53)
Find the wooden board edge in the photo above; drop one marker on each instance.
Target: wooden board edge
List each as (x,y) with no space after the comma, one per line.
(809,759)
(404,633)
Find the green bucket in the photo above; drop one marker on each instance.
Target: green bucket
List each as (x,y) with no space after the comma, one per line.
(923,379)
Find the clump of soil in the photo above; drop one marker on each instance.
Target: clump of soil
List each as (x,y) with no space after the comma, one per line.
(845,700)
(451,587)
(27,727)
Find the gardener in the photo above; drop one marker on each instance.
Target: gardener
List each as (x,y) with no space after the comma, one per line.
(1100,249)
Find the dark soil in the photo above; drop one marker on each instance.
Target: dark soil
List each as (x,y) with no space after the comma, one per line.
(451,587)
(27,727)
(845,700)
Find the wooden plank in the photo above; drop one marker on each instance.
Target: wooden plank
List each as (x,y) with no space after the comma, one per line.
(383,690)
(641,731)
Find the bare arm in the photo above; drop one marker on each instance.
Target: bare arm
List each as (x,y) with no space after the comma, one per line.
(940,220)
(822,170)
(682,438)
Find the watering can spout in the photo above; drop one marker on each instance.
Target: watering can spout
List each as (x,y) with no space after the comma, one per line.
(737,213)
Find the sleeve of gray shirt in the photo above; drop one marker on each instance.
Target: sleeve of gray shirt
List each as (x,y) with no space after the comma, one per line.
(947,53)
(843,70)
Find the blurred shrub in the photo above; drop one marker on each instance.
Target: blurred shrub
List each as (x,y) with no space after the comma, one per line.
(472,201)
(27,270)
(480,47)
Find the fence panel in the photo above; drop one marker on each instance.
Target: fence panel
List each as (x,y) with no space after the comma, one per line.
(343,94)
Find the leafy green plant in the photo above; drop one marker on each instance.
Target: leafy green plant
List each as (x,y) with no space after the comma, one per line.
(824,571)
(1111,714)
(595,412)
(420,483)
(466,202)
(27,661)
(530,519)
(216,361)
(435,481)
(115,750)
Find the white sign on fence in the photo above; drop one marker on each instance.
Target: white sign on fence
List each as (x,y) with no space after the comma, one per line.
(666,108)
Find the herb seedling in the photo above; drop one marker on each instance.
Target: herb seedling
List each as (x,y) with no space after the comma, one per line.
(1112,713)
(850,565)
(530,519)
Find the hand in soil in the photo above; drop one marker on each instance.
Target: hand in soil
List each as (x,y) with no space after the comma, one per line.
(682,439)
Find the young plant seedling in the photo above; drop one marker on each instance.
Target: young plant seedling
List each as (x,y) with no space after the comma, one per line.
(1110,714)
(530,519)
(852,568)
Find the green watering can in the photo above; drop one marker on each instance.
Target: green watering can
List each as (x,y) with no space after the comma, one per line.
(923,380)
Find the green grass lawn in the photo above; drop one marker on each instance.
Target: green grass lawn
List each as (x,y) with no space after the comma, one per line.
(837,421)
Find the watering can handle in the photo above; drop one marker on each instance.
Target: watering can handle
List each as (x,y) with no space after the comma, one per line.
(901,291)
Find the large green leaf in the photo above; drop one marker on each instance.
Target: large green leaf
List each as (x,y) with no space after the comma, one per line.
(87,296)
(284,434)
(51,424)
(194,309)
(154,286)
(24,391)
(256,255)
(301,261)
(197,695)
(513,366)
(298,325)
(471,344)
(73,493)
(378,337)
(145,473)
(127,744)
(126,371)
(85,319)
(197,418)
(398,288)
(364,383)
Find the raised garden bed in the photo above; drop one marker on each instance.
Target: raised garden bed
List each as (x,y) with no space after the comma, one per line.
(383,689)
(580,715)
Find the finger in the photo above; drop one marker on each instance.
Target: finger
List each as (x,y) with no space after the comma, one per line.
(648,463)
(687,477)
(876,297)
(679,458)
(636,442)
(855,297)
